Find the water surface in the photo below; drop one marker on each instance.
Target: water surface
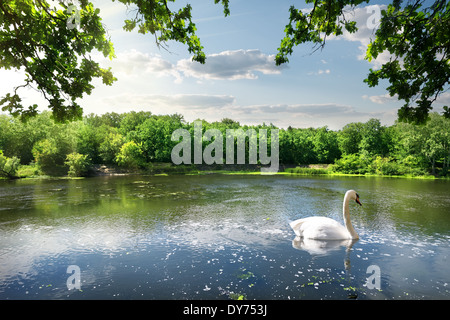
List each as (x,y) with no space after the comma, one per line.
(221,237)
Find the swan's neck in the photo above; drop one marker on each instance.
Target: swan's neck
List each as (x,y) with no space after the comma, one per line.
(347,222)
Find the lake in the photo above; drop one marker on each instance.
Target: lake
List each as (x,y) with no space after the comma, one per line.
(221,237)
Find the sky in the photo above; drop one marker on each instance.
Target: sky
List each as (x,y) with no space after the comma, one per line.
(240,79)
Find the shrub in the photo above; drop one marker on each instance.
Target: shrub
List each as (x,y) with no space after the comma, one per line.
(131,155)
(50,157)
(385,166)
(110,147)
(8,166)
(30,170)
(78,164)
(351,163)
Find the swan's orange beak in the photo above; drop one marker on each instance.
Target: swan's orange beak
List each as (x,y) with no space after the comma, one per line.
(357,201)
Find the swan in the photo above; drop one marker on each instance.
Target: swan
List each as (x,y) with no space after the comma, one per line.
(323,228)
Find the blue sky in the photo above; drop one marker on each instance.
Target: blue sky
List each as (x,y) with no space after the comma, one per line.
(240,79)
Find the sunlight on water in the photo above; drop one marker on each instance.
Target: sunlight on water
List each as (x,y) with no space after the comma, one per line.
(221,237)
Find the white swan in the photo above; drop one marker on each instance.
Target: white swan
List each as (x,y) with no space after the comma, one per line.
(323,228)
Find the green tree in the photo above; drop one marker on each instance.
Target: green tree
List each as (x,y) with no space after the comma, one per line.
(424,146)
(155,137)
(373,140)
(415,34)
(8,166)
(418,37)
(110,147)
(131,155)
(18,138)
(42,38)
(301,147)
(50,153)
(89,139)
(326,145)
(78,164)
(436,141)
(131,120)
(48,157)
(350,137)
(36,36)
(56,58)
(351,163)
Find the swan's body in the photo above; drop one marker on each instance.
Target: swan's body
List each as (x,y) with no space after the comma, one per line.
(323,228)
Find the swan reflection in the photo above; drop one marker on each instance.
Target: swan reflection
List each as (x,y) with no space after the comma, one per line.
(321,247)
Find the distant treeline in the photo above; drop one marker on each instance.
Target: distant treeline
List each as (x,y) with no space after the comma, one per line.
(137,140)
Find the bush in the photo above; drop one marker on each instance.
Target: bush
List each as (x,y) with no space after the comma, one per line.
(131,155)
(414,165)
(385,166)
(351,163)
(110,147)
(78,164)
(49,158)
(307,171)
(8,166)
(30,170)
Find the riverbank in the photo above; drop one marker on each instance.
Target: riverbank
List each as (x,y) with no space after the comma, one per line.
(158,169)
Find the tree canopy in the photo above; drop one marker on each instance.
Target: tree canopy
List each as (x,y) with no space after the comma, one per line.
(415,34)
(141,140)
(55,52)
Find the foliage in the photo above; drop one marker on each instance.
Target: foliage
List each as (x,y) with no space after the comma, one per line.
(18,139)
(154,136)
(41,37)
(35,36)
(350,163)
(38,36)
(418,38)
(51,152)
(350,137)
(326,18)
(385,166)
(49,157)
(307,171)
(78,164)
(415,34)
(8,166)
(140,140)
(25,171)
(131,156)
(157,18)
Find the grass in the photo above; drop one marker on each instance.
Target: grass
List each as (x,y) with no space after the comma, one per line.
(28,171)
(165,169)
(308,171)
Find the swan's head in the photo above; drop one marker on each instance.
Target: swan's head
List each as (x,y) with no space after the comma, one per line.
(353,195)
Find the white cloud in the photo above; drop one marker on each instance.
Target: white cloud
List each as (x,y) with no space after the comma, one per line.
(381,99)
(367,20)
(168,102)
(319,72)
(307,110)
(444,98)
(226,65)
(136,63)
(231,65)
(327,71)
(333,115)
(217,107)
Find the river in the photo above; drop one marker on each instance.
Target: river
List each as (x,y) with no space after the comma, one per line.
(221,237)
